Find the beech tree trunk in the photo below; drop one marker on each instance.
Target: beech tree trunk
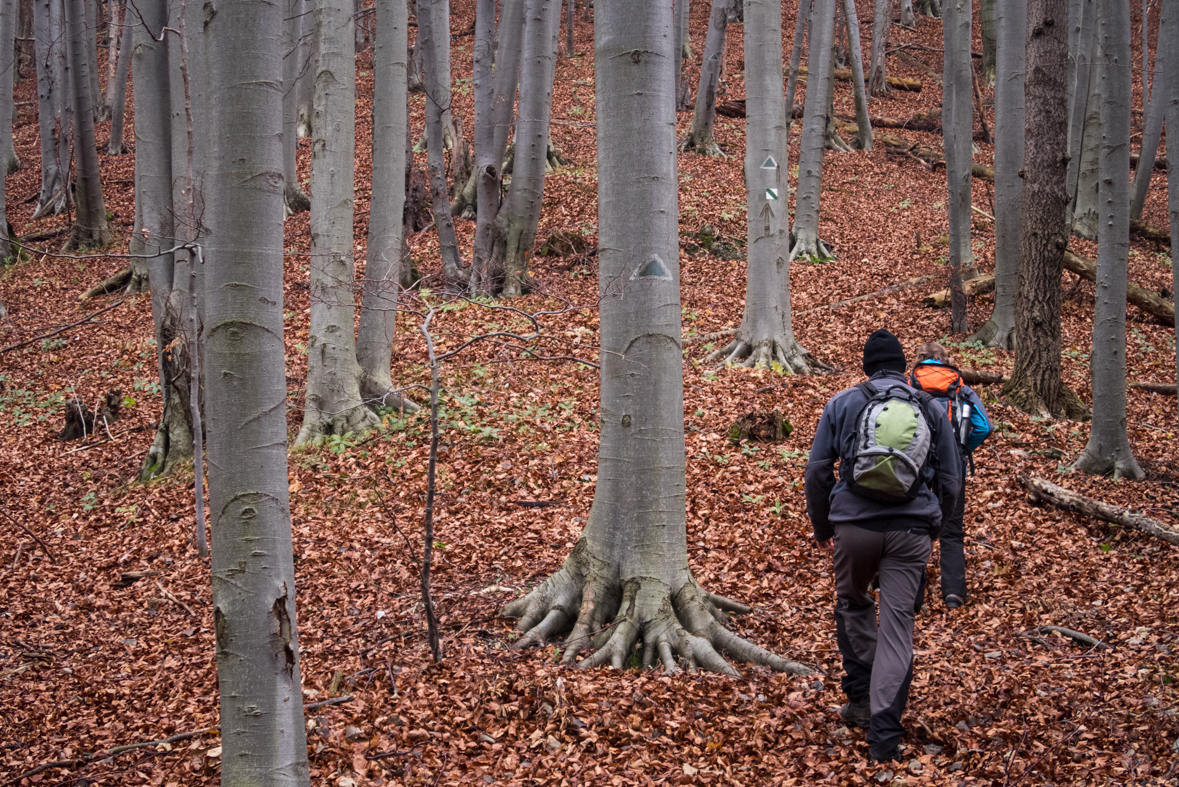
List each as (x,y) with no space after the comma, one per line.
(988,13)
(1153,126)
(514,231)
(382,269)
(814,128)
(1108,450)
(296,200)
(908,18)
(90,230)
(957,126)
(1010,123)
(1082,18)
(863,123)
(305,84)
(881,19)
(1170,87)
(802,21)
(570,9)
(699,138)
(54,126)
(1086,212)
(334,405)
(118,92)
(90,54)
(1036,386)
(9,161)
(254,619)
(630,566)
(766,336)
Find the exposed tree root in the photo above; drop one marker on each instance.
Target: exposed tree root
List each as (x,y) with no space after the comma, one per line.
(1118,463)
(1066,405)
(702,146)
(763,354)
(678,628)
(807,245)
(991,335)
(355,421)
(114,283)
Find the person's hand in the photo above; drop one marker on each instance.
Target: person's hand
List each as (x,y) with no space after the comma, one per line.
(826,546)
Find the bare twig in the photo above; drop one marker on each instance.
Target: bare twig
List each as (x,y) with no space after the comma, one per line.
(63,329)
(176,601)
(1079,636)
(31,534)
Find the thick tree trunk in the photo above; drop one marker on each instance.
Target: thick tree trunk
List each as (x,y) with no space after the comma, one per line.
(514,231)
(434,38)
(334,405)
(957,123)
(699,138)
(630,567)
(908,18)
(766,336)
(382,269)
(254,620)
(118,93)
(296,199)
(53,127)
(495,100)
(1153,126)
(881,19)
(815,115)
(863,123)
(9,161)
(1010,123)
(90,229)
(1108,450)
(1036,386)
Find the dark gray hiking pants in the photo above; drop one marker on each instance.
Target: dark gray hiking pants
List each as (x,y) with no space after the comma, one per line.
(878,658)
(953,558)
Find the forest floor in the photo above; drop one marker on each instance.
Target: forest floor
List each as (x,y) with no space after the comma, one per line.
(90,660)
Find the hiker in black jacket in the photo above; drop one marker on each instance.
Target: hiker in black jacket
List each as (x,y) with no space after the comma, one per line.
(871,537)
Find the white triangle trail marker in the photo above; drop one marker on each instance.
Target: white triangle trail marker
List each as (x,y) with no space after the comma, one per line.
(771,194)
(651,269)
(770,163)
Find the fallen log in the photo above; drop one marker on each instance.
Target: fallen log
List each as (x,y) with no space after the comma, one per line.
(1144,230)
(1167,389)
(1159,163)
(1150,302)
(882,291)
(975,377)
(976,286)
(1041,492)
(934,157)
(845,75)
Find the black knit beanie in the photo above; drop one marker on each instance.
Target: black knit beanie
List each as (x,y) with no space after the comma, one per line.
(883,352)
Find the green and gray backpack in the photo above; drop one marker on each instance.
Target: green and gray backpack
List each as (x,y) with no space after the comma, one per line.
(891,455)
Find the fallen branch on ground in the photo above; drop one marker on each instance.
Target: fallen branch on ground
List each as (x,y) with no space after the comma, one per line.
(116,282)
(1079,636)
(883,291)
(31,534)
(1040,491)
(976,286)
(1144,230)
(1167,389)
(63,329)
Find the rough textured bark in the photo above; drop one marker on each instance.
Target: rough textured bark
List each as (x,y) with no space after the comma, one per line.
(863,123)
(495,102)
(295,198)
(1080,35)
(699,138)
(514,231)
(382,268)
(1036,386)
(1108,450)
(810,165)
(628,580)
(766,335)
(1153,126)
(957,125)
(48,43)
(999,330)
(254,620)
(334,405)
(1171,87)
(90,230)
(931,8)
(9,161)
(570,10)
(434,39)
(118,93)
(881,19)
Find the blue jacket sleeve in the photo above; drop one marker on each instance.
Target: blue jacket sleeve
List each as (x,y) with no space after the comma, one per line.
(820,476)
(980,422)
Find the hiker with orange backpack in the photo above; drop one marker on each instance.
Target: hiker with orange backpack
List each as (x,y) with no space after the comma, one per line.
(934,373)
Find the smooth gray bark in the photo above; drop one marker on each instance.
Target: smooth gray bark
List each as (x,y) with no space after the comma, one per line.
(570,10)
(957,127)
(90,53)
(908,18)
(1152,128)
(382,268)
(1082,15)
(1170,87)
(631,564)
(802,21)
(54,128)
(1085,209)
(988,12)
(1108,450)
(814,128)
(254,620)
(699,138)
(495,102)
(296,199)
(683,50)
(9,161)
(305,83)
(514,231)
(8,253)
(1010,120)
(434,38)
(118,93)
(766,336)
(881,19)
(863,123)
(90,228)
(334,405)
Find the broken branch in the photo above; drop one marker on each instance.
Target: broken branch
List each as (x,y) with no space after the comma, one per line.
(1040,491)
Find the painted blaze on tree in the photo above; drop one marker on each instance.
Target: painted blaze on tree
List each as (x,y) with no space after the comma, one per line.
(627,580)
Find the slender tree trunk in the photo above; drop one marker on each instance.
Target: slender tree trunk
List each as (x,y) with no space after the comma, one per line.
(570,8)
(1108,450)
(631,564)
(9,161)
(292,67)
(1085,211)
(305,85)
(957,125)
(114,41)
(802,21)
(434,38)
(877,78)
(254,618)
(90,227)
(1010,122)
(989,24)
(908,18)
(90,53)
(334,405)
(118,94)
(683,45)
(699,138)
(1153,129)
(1081,25)
(815,113)
(1170,85)
(54,171)
(382,269)
(863,123)
(514,231)
(766,336)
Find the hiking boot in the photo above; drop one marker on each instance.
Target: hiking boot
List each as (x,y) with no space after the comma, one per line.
(856,714)
(954,601)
